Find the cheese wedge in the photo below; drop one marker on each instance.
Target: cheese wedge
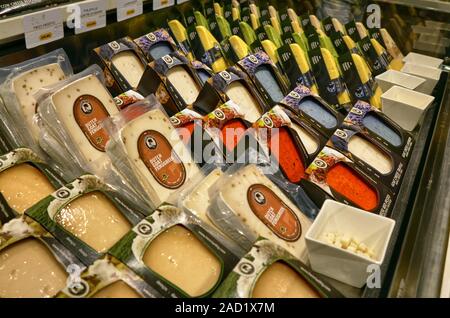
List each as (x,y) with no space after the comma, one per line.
(338,25)
(218,9)
(365,76)
(239,94)
(208,42)
(118,289)
(247,32)
(279,280)
(264,209)
(23,185)
(395,64)
(198,200)
(148,141)
(254,10)
(273,35)
(224,26)
(81,106)
(349,42)
(391,46)
(276,24)
(310,143)
(315,22)
(271,49)
(28,83)
(296,26)
(235,14)
(292,14)
(254,21)
(180,33)
(183,82)
(181,258)
(28,269)
(201,20)
(240,48)
(130,66)
(302,61)
(361,30)
(371,154)
(333,71)
(95,220)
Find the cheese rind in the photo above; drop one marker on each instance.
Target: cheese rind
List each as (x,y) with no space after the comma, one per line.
(28,83)
(184,84)
(80,97)
(151,123)
(239,94)
(178,256)
(130,66)
(278,219)
(28,269)
(24,185)
(95,220)
(279,280)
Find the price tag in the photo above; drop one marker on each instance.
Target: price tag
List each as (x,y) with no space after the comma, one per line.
(159,4)
(89,15)
(127,9)
(43,27)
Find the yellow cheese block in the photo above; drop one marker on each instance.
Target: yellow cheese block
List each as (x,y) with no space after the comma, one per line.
(179,31)
(28,269)
(302,62)
(24,185)
(271,49)
(333,71)
(208,42)
(239,46)
(95,220)
(196,272)
(279,280)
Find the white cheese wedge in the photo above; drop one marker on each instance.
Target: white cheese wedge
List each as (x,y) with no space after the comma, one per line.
(181,258)
(118,289)
(28,83)
(130,66)
(265,210)
(307,139)
(279,280)
(157,155)
(29,270)
(184,84)
(239,94)
(24,185)
(199,199)
(371,154)
(95,220)
(81,106)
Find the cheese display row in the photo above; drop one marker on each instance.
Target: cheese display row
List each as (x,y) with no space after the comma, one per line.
(143,215)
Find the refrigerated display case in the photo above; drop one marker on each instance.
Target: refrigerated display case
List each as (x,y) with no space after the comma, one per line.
(417,262)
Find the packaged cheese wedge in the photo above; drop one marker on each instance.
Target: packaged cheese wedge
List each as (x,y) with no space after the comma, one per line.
(210,44)
(249,204)
(180,34)
(33,263)
(155,155)
(176,254)
(19,83)
(269,271)
(73,110)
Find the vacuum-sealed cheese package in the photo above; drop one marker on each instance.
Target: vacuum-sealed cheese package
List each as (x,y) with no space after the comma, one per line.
(250,202)
(19,83)
(33,263)
(25,179)
(147,150)
(72,112)
(269,271)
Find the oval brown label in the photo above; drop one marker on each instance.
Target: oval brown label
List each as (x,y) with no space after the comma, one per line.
(274,213)
(89,113)
(165,166)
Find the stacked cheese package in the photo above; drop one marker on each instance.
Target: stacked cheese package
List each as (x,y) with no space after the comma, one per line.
(202,177)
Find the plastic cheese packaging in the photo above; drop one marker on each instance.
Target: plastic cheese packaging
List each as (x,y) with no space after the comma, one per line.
(156,251)
(33,264)
(269,271)
(25,179)
(153,151)
(239,94)
(184,84)
(129,65)
(248,204)
(20,82)
(73,111)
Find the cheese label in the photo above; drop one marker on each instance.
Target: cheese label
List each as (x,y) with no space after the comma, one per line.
(163,163)
(89,112)
(274,213)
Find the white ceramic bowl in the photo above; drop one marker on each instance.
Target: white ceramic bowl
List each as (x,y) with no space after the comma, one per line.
(391,78)
(373,230)
(424,60)
(405,106)
(430,74)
